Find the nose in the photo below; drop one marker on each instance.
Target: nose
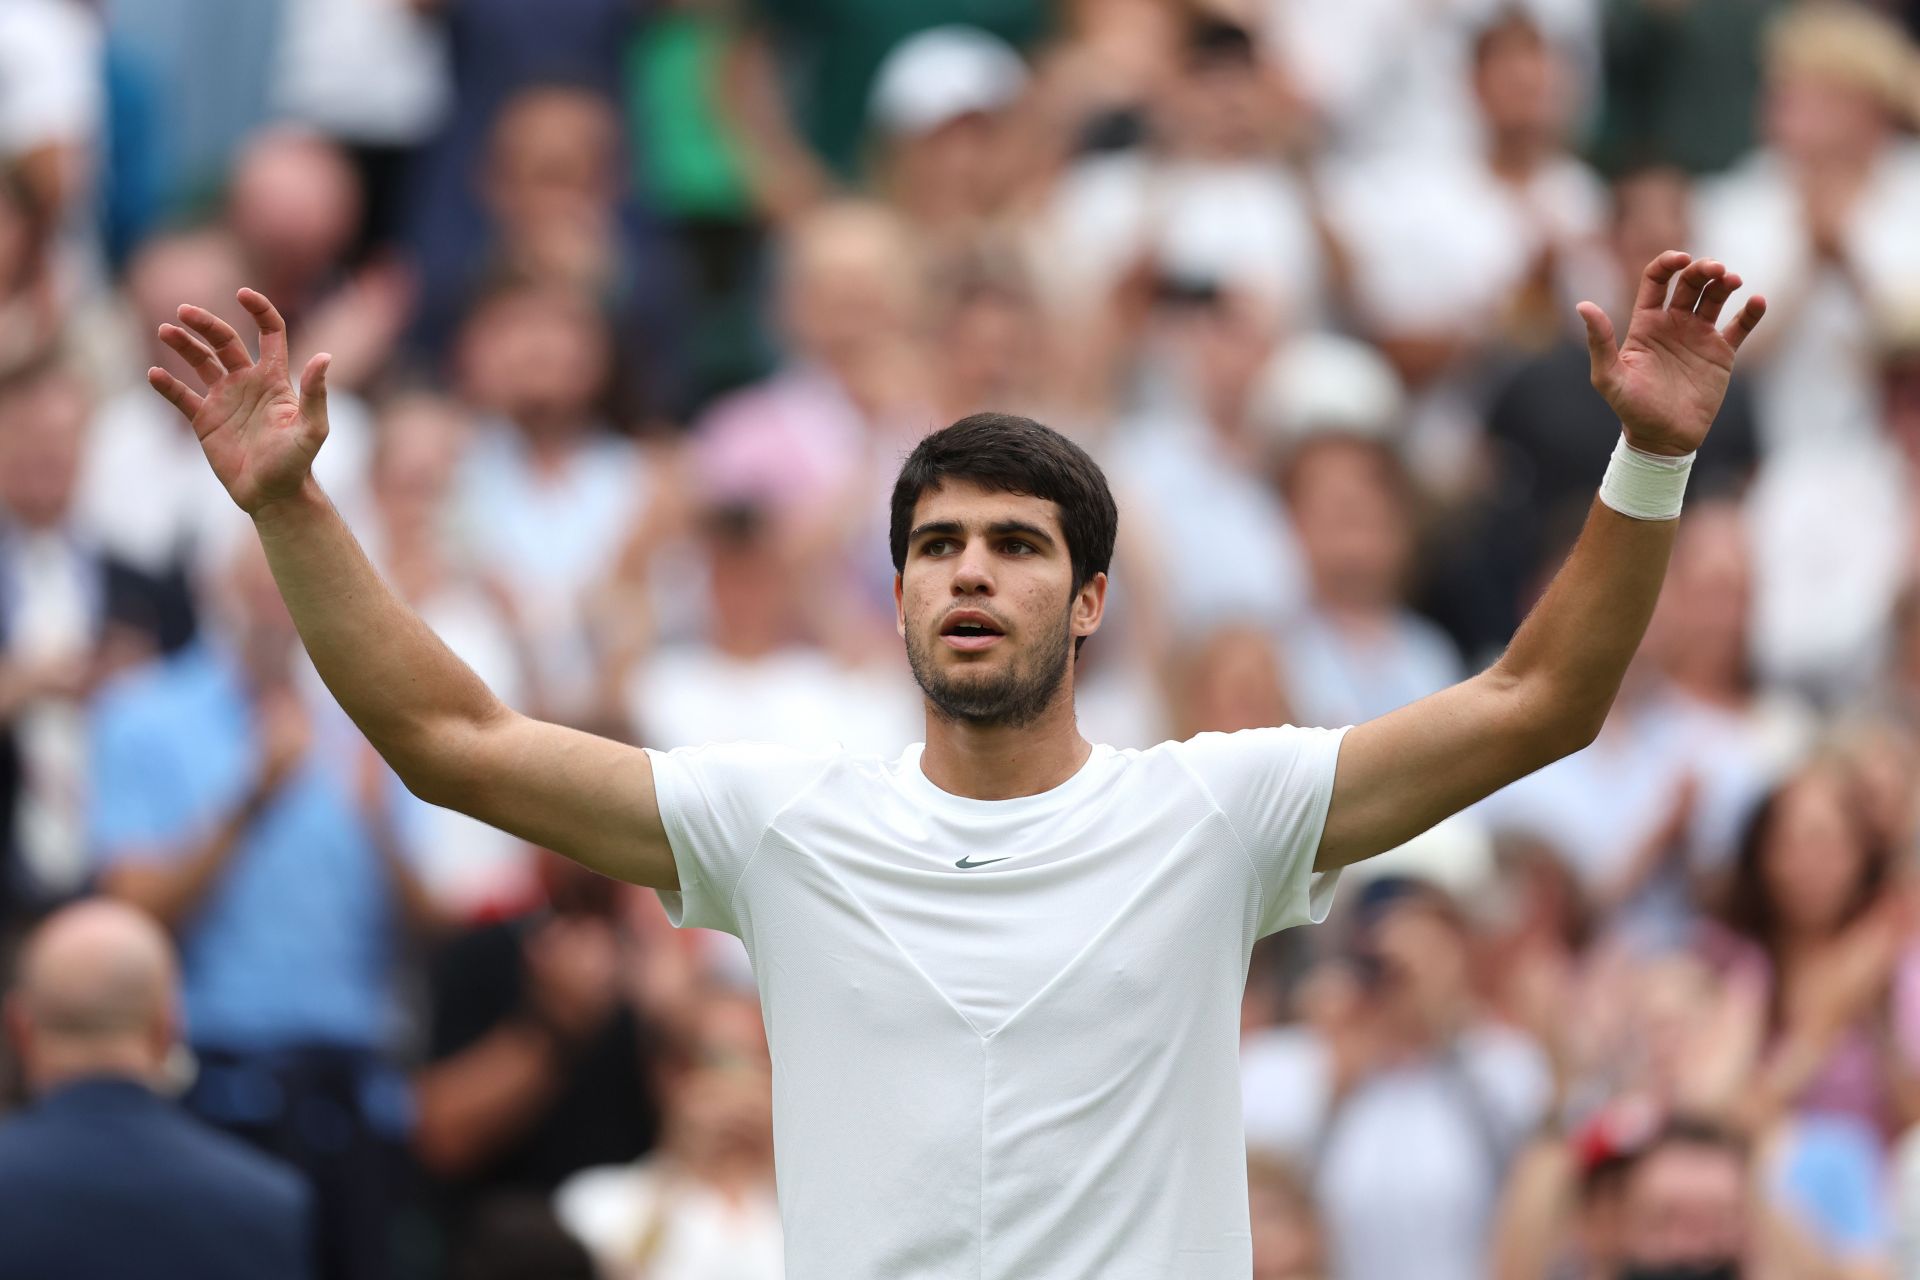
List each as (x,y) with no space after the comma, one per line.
(971,575)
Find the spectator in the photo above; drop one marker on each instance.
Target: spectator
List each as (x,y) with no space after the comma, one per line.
(497,48)
(816,442)
(102,1176)
(1449,250)
(1229,679)
(1820,212)
(949,139)
(1835,187)
(245,813)
(540,1063)
(296,208)
(145,492)
(70,617)
(1545,438)
(1354,651)
(1196,470)
(760,673)
(52,118)
(701,1207)
(1211,201)
(374,78)
(1400,1098)
(1829,935)
(547,493)
(832,51)
(554,187)
(1685,1207)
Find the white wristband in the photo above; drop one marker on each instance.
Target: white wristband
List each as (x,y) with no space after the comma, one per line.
(1646,486)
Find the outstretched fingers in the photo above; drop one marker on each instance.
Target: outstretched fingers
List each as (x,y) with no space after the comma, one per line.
(273,329)
(194,352)
(218,335)
(1694,281)
(313,387)
(175,392)
(1602,353)
(1654,280)
(1745,322)
(1716,296)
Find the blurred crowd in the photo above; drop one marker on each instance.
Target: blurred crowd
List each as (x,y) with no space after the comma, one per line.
(635,305)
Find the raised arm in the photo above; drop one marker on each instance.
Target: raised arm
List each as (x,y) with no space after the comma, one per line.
(451,741)
(1549,693)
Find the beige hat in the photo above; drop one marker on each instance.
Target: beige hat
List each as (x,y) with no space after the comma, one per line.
(1849,44)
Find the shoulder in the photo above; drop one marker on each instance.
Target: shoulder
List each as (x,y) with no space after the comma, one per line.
(753,780)
(1233,755)
(249,1179)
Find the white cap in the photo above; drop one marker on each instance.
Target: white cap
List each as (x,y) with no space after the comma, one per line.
(1323,383)
(941,75)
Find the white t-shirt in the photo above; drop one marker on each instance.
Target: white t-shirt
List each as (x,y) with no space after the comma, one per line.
(641,1223)
(1408,1166)
(1023,1067)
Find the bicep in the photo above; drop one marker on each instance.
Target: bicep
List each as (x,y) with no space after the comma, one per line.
(589,798)
(1400,774)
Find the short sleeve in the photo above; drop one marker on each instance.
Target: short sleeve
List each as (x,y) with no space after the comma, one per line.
(1274,786)
(717,804)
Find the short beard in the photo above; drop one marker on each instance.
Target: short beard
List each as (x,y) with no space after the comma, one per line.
(1012,700)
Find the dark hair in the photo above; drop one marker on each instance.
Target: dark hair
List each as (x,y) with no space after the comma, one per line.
(1749,907)
(1006,453)
(1683,1130)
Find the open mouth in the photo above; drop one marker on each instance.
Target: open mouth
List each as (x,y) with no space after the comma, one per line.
(969,631)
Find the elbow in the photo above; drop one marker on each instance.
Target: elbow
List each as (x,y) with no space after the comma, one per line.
(1557,722)
(441,762)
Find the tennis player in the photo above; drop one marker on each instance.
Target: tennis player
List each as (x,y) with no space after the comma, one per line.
(1001,975)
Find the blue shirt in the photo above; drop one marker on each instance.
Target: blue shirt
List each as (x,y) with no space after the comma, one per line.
(292,944)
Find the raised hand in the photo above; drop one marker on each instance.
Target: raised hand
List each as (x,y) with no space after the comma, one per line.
(259,434)
(1666,381)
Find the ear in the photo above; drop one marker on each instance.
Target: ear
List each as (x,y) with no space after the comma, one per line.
(164,1032)
(899,606)
(1090,605)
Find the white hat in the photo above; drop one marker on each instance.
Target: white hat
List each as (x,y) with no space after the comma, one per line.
(941,75)
(1323,383)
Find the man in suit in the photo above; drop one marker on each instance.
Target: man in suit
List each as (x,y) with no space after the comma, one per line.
(101,1176)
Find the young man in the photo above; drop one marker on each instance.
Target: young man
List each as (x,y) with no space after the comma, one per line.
(1001,975)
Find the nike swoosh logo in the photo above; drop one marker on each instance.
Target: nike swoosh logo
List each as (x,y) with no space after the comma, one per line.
(966,864)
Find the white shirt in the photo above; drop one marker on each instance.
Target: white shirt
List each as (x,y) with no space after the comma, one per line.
(1407,1169)
(1023,1068)
(1815,386)
(1219,533)
(641,1223)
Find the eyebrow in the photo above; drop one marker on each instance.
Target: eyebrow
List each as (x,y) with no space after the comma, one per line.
(998,529)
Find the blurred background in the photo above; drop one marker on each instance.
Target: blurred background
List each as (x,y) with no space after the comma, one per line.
(635,306)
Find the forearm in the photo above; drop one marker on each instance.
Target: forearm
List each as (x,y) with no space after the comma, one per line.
(407,692)
(172,890)
(474,1103)
(1570,655)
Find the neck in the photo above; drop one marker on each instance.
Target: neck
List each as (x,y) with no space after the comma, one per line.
(1515,158)
(1001,762)
(54,1067)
